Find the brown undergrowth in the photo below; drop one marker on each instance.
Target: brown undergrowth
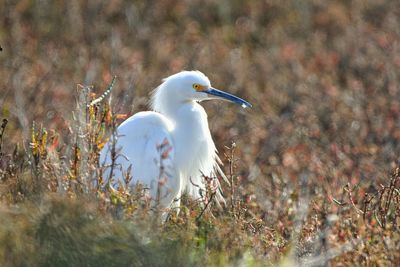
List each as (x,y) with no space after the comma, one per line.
(313,165)
(54,214)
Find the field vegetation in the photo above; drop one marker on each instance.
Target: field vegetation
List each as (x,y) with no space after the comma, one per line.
(314,164)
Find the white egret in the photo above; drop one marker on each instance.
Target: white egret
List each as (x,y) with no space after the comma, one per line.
(170,149)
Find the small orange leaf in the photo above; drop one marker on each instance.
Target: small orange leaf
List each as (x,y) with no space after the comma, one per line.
(101,145)
(121,116)
(108,118)
(54,143)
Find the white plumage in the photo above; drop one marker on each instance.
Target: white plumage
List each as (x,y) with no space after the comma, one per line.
(169,149)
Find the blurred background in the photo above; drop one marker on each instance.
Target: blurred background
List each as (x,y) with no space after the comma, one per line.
(323,78)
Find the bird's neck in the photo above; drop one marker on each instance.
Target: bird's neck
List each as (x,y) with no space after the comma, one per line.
(177,111)
(190,123)
(194,148)
(187,114)
(163,103)
(171,111)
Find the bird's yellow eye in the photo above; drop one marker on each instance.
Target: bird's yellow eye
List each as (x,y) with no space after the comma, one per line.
(197,87)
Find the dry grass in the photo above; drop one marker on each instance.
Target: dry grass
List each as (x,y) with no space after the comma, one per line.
(315,162)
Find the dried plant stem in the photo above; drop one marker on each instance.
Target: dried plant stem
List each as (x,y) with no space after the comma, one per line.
(231,160)
(206,206)
(2,129)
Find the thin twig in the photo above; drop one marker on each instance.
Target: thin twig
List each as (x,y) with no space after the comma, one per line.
(205,208)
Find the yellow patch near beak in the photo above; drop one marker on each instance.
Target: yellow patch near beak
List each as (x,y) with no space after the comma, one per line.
(199,87)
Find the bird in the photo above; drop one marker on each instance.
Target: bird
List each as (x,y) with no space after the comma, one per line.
(169,150)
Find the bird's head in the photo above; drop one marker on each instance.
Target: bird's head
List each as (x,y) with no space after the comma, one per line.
(191,86)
